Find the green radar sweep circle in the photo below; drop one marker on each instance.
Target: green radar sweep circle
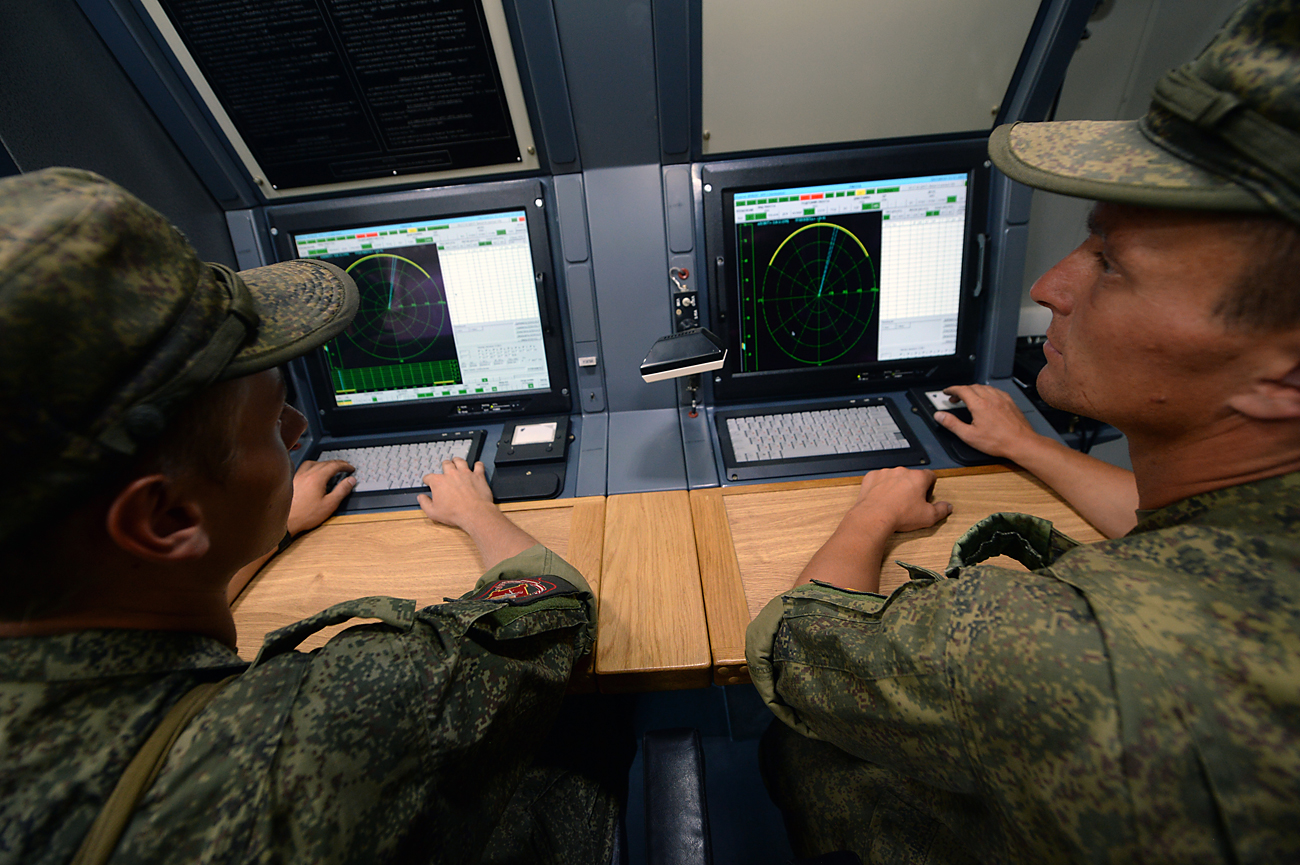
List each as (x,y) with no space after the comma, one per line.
(819,293)
(402,307)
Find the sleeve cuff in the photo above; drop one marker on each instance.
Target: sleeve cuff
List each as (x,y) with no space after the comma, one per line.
(759,637)
(535,561)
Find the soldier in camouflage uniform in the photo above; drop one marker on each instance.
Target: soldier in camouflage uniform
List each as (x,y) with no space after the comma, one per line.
(147,439)
(1137,699)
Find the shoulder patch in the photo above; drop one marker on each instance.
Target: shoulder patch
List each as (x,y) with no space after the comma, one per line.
(524,591)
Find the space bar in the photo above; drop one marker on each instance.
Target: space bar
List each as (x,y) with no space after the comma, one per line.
(858,461)
(794,453)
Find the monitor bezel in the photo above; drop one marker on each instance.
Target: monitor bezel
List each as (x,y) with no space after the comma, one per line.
(286,221)
(719,183)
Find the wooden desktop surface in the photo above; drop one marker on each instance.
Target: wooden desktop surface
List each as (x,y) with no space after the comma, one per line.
(636,551)
(653,634)
(402,554)
(753,541)
(678,576)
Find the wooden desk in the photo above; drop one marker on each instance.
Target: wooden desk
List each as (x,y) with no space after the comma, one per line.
(653,634)
(672,613)
(752,541)
(636,551)
(402,554)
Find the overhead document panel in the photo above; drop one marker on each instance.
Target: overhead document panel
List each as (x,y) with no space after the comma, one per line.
(782,74)
(318,95)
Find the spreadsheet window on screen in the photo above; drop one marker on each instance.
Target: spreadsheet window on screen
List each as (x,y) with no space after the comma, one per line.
(849,272)
(448,307)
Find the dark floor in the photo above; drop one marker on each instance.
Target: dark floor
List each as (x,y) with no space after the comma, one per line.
(745,826)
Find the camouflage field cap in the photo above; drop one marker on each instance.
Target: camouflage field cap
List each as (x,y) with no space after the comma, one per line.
(109,320)
(1222,132)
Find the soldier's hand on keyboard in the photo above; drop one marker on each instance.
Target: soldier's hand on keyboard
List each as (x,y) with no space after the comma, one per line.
(997,427)
(312,503)
(458,494)
(898,497)
(461,497)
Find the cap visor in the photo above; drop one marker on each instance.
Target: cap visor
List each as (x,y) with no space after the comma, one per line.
(301,304)
(1110,161)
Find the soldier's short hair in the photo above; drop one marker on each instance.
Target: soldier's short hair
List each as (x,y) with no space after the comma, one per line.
(42,572)
(1266,296)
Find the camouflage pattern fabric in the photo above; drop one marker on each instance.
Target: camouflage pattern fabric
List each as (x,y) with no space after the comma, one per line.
(402,740)
(860,806)
(1110,160)
(1222,132)
(1130,700)
(109,322)
(566,807)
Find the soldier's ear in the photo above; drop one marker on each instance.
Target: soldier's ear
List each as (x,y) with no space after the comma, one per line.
(152,518)
(1271,398)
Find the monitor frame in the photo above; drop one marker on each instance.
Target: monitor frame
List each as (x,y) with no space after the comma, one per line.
(719,183)
(285,221)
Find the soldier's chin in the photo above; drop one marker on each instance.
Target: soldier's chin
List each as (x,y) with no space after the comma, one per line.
(1052,391)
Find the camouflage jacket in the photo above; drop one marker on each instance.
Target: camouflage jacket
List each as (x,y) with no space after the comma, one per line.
(1130,700)
(397,740)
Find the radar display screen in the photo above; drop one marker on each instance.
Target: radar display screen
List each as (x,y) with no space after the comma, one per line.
(848,273)
(448,308)
(808,290)
(401,323)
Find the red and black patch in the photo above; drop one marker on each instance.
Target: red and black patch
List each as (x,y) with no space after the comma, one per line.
(517,593)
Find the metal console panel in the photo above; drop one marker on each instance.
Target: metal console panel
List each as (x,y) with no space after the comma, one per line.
(645,452)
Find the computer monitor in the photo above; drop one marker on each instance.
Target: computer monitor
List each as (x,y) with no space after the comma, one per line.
(845,272)
(458,317)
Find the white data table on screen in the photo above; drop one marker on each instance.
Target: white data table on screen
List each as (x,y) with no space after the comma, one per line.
(507,270)
(929,284)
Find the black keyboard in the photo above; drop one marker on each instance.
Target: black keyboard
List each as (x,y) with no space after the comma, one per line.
(390,469)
